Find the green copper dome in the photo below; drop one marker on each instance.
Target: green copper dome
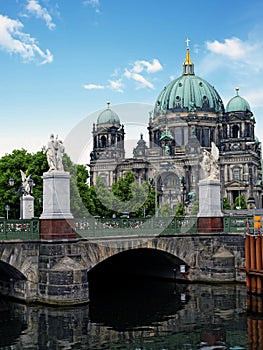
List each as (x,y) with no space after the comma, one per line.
(108,116)
(238,104)
(188,93)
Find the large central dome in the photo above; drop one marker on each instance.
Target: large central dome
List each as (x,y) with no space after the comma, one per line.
(188,93)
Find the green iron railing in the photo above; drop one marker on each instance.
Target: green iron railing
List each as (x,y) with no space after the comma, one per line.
(238,223)
(19,229)
(91,227)
(99,227)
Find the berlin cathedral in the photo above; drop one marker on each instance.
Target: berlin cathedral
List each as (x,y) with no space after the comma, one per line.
(188,116)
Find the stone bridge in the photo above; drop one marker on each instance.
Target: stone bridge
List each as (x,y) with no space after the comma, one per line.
(63,271)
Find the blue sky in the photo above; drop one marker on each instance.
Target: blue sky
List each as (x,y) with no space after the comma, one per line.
(61,60)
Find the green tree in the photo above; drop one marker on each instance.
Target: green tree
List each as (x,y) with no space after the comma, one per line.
(10,165)
(129,195)
(179,210)
(148,208)
(195,208)
(165,210)
(79,190)
(35,164)
(240,202)
(103,199)
(226,204)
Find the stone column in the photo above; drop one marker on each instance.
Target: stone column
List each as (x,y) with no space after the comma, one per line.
(56,220)
(210,216)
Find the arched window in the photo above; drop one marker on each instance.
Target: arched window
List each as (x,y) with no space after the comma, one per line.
(103,141)
(235,131)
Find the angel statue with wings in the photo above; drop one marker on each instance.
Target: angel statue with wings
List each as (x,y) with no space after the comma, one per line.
(26,187)
(209,163)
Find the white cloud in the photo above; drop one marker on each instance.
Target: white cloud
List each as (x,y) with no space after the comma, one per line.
(116,85)
(34,8)
(94,3)
(233,48)
(93,87)
(141,66)
(139,78)
(13,40)
(153,67)
(137,67)
(113,85)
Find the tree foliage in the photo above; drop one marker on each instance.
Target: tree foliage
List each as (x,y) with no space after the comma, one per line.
(240,202)
(195,208)
(179,210)
(165,210)
(10,165)
(78,187)
(226,204)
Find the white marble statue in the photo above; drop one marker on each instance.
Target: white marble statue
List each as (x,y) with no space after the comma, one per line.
(55,151)
(209,163)
(25,184)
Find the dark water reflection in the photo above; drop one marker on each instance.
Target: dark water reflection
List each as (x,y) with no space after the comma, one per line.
(146,316)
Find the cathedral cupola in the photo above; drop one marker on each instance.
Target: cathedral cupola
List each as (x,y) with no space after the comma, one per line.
(108,136)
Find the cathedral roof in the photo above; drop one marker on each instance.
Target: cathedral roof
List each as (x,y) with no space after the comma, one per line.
(108,116)
(188,93)
(237,104)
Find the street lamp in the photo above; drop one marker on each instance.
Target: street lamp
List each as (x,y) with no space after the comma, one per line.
(153,184)
(7,208)
(22,189)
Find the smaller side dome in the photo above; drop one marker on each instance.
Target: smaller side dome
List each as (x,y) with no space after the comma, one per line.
(108,116)
(237,104)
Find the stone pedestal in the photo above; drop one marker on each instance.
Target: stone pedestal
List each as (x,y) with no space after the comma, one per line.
(210,216)
(27,207)
(56,220)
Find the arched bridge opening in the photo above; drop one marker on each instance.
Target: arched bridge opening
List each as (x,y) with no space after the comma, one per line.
(12,281)
(142,264)
(136,284)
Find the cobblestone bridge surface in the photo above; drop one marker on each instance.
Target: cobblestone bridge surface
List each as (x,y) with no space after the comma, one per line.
(57,272)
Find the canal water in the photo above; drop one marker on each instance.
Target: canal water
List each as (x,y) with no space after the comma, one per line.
(142,315)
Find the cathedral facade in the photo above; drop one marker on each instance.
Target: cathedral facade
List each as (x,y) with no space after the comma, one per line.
(188,116)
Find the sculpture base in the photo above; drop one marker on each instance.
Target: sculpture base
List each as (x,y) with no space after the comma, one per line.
(209,199)
(210,224)
(56,196)
(27,207)
(57,228)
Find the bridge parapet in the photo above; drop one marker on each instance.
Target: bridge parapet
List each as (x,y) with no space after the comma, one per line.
(101,227)
(19,229)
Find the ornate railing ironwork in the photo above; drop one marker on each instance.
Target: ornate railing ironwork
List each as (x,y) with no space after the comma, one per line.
(19,229)
(133,226)
(96,227)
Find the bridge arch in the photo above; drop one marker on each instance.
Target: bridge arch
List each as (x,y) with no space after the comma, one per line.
(18,270)
(139,263)
(179,249)
(8,272)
